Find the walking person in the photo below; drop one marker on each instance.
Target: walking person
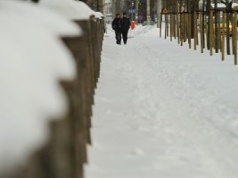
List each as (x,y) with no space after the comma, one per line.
(125,26)
(116,26)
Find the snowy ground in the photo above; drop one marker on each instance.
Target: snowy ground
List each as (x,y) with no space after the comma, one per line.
(163,111)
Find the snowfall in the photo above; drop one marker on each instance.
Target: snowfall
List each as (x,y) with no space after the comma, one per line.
(163,111)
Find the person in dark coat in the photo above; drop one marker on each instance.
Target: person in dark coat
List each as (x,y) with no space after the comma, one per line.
(125,26)
(116,26)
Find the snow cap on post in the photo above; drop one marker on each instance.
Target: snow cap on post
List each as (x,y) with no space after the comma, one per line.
(73,10)
(235,6)
(98,15)
(54,22)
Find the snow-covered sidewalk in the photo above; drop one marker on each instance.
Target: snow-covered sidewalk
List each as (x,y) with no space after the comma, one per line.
(163,111)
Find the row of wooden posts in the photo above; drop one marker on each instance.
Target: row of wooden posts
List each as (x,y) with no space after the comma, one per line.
(65,153)
(215,30)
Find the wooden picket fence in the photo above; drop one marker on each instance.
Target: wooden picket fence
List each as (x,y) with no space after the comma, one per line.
(65,153)
(214,30)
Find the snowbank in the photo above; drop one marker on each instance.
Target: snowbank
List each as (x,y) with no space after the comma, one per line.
(32,61)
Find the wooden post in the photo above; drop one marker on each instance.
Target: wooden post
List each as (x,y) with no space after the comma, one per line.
(228,33)
(189,27)
(218,31)
(80,96)
(159,8)
(166,26)
(160,30)
(63,135)
(215,27)
(175,25)
(88,29)
(148,11)
(178,26)
(171,26)
(195,30)
(223,36)
(235,37)
(181,28)
(185,27)
(206,32)
(201,31)
(211,32)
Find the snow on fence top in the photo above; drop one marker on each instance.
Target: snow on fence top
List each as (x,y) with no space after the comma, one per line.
(221,5)
(98,15)
(234,5)
(74,10)
(52,21)
(32,60)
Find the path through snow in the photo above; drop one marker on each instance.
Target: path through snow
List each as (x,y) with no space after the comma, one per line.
(163,111)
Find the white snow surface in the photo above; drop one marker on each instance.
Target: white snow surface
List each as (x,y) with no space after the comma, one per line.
(32,62)
(74,10)
(163,111)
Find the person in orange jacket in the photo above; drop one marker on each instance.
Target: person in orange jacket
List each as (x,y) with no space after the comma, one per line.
(133,24)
